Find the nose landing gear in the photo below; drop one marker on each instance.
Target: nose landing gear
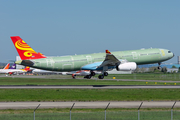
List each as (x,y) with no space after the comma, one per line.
(159,67)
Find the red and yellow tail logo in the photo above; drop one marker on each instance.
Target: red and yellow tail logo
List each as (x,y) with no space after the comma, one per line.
(27,68)
(24,50)
(7,66)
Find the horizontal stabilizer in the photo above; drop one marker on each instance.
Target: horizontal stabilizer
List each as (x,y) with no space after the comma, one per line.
(25,62)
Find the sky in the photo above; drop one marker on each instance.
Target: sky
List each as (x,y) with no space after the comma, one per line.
(68,27)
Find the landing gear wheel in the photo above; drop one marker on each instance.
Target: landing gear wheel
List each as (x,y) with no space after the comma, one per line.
(92,73)
(101,76)
(159,67)
(105,74)
(88,76)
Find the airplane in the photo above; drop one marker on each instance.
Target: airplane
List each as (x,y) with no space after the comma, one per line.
(13,70)
(119,60)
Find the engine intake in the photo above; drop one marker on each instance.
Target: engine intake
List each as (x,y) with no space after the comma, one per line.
(128,66)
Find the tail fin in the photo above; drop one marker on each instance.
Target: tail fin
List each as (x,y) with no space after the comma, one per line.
(24,50)
(27,68)
(7,66)
(13,66)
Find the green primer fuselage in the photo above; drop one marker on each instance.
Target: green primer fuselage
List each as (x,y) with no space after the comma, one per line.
(75,62)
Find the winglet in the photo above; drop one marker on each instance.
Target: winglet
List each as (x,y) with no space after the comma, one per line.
(24,50)
(107,51)
(7,66)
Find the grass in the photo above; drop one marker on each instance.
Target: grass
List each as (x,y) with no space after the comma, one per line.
(148,76)
(67,80)
(13,95)
(90,114)
(88,94)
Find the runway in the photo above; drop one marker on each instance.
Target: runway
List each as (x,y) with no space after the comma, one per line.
(88,86)
(131,104)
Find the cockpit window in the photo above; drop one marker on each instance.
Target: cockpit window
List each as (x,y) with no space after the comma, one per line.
(169,51)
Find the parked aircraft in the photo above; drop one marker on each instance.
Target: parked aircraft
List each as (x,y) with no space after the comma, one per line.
(6,67)
(13,70)
(13,66)
(120,60)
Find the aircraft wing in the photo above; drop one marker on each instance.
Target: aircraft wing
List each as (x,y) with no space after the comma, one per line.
(110,60)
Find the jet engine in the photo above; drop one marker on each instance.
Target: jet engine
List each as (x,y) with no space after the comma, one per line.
(128,66)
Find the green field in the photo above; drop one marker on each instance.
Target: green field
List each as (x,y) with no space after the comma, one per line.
(90,114)
(89,94)
(13,95)
(67,80)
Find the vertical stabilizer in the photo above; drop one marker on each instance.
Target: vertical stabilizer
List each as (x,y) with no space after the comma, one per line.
(13,66)
(24,50)
(27,68)
(7,66)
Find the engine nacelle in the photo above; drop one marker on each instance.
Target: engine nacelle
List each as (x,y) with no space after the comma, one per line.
(128,66)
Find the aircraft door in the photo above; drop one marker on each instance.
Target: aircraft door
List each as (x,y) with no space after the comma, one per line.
(135,56)
(89,59)
(50,63)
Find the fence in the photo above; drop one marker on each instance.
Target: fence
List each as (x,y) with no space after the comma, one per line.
(100,114)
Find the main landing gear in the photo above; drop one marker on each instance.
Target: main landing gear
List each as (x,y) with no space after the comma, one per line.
(89,76)
(93,74)
(102,76)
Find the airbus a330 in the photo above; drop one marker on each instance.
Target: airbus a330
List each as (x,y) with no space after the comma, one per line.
(119,60)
